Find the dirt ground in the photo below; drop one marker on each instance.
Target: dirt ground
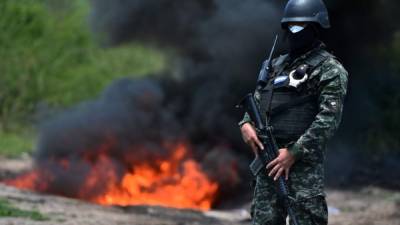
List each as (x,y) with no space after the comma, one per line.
(367,206)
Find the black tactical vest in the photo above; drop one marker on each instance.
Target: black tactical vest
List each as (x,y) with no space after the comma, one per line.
(291,110)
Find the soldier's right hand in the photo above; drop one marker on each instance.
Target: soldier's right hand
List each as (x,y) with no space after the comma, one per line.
(249,135)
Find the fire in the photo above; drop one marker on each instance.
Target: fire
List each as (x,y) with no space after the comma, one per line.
(176,181)
(29,181)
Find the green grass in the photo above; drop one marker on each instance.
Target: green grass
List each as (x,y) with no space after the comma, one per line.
(15,144)
(8,210)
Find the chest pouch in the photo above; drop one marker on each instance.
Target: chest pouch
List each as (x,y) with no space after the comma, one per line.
(290,113)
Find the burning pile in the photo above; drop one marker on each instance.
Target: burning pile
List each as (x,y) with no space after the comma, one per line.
(176,181)
(121,149)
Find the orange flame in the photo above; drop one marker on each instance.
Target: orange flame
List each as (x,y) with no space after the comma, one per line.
(28,181)
(177,182)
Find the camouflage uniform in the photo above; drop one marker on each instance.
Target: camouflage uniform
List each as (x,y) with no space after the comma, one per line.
(306,179)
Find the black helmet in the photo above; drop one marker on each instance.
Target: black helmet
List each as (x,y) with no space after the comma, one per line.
(306,11)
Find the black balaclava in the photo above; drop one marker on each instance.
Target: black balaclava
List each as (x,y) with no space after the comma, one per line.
(303,41)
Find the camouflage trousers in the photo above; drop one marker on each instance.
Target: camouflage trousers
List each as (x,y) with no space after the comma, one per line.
(267,208)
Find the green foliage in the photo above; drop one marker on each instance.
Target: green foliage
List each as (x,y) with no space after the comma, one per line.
(8,210)
(14,144)
(102,66)
(48,57)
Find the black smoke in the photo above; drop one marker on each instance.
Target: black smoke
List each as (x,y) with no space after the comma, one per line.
(130,111)
(222,45)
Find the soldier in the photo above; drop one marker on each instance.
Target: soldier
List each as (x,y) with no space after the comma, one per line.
(303,101)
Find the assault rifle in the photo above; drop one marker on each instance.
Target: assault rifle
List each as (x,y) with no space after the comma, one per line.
(264,133)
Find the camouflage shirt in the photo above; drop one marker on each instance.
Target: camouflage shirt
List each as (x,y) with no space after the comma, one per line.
(329,80)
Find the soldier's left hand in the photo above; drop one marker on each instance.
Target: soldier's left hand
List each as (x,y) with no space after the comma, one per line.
(281,164)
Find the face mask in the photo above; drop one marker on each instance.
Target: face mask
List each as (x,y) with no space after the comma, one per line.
(296,28)
(302,40)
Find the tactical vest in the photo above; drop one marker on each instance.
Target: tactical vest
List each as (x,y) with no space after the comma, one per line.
(291,110)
